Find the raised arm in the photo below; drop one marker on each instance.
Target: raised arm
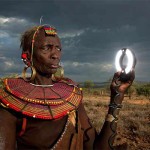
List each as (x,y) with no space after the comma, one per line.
(7,130)
(105,139)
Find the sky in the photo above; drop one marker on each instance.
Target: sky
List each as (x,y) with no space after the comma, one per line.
(91,33)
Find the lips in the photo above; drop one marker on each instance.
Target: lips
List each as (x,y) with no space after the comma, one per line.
(54,66)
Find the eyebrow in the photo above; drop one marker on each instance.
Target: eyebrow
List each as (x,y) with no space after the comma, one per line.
(49,45)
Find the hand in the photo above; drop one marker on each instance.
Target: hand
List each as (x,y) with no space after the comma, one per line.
(122,82)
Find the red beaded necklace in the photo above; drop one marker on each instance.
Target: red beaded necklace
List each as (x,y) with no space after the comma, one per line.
(44,102)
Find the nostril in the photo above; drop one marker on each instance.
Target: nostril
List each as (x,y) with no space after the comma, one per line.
(54,57)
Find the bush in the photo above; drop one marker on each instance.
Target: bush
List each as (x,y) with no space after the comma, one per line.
(143,90)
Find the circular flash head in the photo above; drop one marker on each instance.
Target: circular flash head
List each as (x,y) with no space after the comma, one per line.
(120,67)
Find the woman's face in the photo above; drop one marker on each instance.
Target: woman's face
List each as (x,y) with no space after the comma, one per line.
(47,53)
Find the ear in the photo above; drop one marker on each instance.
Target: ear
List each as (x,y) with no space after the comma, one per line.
(26,55)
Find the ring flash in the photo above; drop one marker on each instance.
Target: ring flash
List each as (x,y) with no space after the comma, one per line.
(131,60)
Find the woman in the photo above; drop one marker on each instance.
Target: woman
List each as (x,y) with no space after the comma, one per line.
(46,111)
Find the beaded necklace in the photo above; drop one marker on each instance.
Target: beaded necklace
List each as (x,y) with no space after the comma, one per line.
(44,102)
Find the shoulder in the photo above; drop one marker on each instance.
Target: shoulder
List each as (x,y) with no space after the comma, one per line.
(5,81)
(69,81)
(3,90)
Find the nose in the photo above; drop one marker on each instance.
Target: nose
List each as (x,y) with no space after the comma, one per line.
(55,53)
(54,56)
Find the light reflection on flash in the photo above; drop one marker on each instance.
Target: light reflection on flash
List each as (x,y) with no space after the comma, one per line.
(119,60)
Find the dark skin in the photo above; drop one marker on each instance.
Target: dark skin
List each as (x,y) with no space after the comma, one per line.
(46,58)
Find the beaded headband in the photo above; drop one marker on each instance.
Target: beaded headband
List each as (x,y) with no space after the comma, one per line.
(48,30)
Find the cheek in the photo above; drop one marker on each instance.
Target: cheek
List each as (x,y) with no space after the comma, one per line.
(38,61)
(39,65)
(38,58)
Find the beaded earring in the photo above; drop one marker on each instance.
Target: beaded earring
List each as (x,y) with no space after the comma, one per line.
(25,59)
(28,65)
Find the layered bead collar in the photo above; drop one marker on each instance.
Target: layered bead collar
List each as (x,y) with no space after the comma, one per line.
(41,101)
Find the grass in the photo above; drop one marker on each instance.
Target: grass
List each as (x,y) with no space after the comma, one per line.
(133,130)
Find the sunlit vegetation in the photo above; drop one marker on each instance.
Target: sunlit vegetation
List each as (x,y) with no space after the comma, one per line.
(133,131)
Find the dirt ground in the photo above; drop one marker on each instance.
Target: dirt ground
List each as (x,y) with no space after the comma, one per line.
(133,129)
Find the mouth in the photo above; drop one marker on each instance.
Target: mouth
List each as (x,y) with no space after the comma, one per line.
(54,66)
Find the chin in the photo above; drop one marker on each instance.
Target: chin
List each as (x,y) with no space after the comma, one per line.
(48,72)
(53,71)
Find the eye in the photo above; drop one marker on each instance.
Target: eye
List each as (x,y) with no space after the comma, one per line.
(46,47)
(49,47)
(59,49)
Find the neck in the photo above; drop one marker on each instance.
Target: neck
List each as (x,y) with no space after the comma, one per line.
(43,80)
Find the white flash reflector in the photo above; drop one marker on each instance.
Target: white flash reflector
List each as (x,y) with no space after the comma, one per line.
(120,58)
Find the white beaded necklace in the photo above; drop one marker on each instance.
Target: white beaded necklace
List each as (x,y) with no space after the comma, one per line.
(42,85)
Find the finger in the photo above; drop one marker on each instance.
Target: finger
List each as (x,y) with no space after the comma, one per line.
(115,81)
(132,76)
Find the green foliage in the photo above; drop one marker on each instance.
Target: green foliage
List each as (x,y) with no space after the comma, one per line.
(130,91)
(0,82)
(143,90)
(137,88)
(9,76)
(89,85)
(13,75)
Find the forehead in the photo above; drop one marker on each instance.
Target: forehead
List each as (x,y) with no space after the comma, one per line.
(42,38)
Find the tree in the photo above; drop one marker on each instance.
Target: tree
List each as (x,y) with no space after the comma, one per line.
(89,85)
